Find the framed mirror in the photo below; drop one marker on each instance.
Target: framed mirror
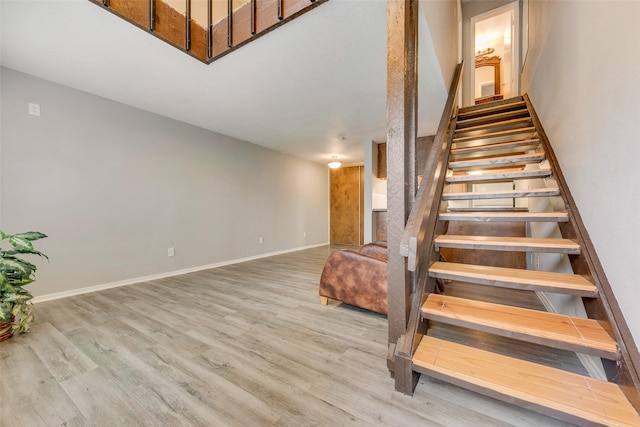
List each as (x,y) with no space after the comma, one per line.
(487,79)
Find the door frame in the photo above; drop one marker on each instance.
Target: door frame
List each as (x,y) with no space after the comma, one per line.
(515,45)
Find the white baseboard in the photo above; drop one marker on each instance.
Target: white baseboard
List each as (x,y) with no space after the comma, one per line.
(65,294)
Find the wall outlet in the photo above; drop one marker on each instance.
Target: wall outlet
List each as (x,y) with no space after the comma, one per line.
(34,109)
(260,240)
(171,252)
(304,234)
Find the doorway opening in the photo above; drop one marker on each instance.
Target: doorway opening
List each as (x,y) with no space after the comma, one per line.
(495,53)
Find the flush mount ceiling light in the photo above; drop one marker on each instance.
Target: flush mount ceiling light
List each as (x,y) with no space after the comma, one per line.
(334,163)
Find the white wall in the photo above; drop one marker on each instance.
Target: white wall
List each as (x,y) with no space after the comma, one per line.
(437,45)
(442,20)
(581,73)
(114,187)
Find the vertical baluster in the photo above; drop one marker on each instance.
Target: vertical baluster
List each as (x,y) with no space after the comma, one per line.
(253,17)
(187,19)
(209,30)
(280,17)
(152,15)
(229,22)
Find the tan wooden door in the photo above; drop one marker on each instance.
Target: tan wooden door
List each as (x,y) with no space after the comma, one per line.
(346,205)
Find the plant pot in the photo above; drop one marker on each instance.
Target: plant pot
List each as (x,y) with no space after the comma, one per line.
(6,329)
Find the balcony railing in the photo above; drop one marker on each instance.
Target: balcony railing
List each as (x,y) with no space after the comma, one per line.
(208,29)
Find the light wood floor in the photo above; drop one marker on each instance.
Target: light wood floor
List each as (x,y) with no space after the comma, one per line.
(242,345)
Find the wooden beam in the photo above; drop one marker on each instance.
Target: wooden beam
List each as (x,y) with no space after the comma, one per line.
(402,38)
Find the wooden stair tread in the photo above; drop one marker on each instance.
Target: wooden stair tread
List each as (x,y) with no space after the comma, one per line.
(494,124)
(540,327)
(566,395)
(487,209)
(490,109)
(505,216)
(491,117)
(510,132)
(499,175)
(496,146)
(507,194)
(533,280)
(494,161)
(500,243)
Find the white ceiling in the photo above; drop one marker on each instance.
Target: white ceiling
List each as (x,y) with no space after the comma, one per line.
(293,90)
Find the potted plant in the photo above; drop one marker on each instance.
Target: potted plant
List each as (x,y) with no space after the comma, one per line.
(15,274)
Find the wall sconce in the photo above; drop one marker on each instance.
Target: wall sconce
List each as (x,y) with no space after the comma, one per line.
(334,163)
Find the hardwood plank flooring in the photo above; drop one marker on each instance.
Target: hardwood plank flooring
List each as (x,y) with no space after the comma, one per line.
(246,344)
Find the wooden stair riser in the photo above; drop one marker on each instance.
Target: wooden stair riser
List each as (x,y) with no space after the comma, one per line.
(531,280)
(538,327)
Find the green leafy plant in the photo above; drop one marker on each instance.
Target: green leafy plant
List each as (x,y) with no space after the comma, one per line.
(15,273)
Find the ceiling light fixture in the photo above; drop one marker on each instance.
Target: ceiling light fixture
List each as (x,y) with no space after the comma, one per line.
(334,163)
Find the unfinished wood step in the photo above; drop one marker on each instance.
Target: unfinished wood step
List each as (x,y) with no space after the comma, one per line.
(502,106)
(563,395)
(539,327)
(522,144)
(517,159)
(514,278)
(497,175)
(483,209)
(507,194)
(492,118)
(500,243)
(520,121)
(492,135)
(481,216)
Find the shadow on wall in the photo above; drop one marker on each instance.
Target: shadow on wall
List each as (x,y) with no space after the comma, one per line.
(570,305)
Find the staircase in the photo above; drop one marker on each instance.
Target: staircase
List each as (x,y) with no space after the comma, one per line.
(499,162)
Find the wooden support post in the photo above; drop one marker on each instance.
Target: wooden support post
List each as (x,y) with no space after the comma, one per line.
(403,375)
(402,40)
